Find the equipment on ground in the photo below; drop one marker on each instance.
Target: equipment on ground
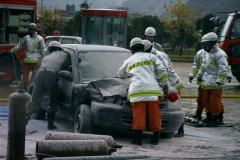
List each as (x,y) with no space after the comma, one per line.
(65,148)
(16,124)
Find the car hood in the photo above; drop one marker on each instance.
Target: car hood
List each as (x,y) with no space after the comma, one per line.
(109,87)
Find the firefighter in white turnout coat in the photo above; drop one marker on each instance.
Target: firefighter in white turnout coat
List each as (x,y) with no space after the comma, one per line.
(146,72)
(35,46)
(197,62)
(150,34)
(214,71)
(173,78)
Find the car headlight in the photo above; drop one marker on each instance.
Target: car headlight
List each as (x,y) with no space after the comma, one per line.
(174,101)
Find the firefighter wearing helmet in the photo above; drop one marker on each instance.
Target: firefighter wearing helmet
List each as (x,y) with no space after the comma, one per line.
(173,78)
(34,47)
(54,46)
(150,34)
(212,69)
(146,72)
(46,82)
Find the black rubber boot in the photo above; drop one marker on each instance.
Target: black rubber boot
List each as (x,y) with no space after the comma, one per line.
(51,118)
(155,138)
(198,119)
(209,118)
(220,118)
(137,137)
(199,114)
(214,122)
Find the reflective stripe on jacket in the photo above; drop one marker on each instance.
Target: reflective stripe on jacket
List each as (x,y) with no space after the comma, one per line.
(146,71)
(173,78)
(34,48)
(214,69)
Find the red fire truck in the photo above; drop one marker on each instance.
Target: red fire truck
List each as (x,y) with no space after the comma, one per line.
(15,15)
(229,41)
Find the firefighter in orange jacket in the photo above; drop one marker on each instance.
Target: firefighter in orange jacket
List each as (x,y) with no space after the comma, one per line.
(146,71)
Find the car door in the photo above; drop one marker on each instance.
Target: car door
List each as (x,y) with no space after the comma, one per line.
(65,87)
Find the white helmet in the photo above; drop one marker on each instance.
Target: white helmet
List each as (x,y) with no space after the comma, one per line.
(147,44)
(135,41)
(150,31)
(55,44)
(32,26)
(211,36)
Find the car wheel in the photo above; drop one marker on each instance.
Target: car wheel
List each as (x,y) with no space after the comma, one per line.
(167,134)
(82,119)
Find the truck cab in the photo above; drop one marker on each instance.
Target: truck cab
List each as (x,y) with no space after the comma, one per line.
(15,16)
(229,41)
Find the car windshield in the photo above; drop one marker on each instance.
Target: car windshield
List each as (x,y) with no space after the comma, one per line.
(97,65)
(67,41)
(52,39)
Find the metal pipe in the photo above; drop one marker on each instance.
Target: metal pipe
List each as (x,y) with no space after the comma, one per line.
(17,124)
(79,136)
(64,148)
(115,157)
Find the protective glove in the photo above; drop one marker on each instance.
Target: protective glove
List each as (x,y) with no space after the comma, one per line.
(229,79)
(165,91)
(190,79)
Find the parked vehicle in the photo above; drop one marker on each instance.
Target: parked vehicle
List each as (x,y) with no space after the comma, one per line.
(92,97)
(64,39)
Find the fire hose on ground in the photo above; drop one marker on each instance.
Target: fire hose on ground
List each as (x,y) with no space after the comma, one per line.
(71,148)
(62,144)
(80,136)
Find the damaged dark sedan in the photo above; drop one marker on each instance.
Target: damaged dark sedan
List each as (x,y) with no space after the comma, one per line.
(94,98)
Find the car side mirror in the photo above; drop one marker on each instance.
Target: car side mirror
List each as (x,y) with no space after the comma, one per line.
(65,75)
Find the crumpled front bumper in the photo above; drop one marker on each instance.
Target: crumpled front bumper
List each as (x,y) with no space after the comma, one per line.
(118,117)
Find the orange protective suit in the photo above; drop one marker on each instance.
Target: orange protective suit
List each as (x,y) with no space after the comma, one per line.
(27,68)
(140,110)
(213,101)
(200,98)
